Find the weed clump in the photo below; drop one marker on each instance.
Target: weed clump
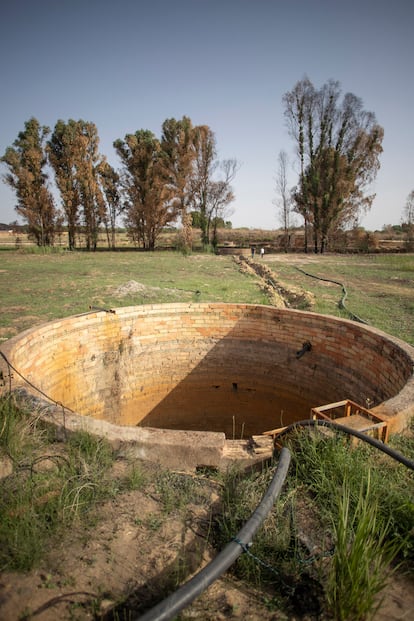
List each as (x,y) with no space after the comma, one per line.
(50,487)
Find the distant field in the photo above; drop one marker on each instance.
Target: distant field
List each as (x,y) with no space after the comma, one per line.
(38,287)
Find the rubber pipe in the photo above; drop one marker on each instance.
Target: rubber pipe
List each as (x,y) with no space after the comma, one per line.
(353,432)
(181,598)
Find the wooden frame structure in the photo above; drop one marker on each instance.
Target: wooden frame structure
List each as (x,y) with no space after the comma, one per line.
(348,414)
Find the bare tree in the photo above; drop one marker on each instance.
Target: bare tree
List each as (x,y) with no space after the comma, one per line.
(220,195)
(283,199)
(408,219)
(211,183)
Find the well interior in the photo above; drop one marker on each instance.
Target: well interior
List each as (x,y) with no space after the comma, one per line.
(230,368)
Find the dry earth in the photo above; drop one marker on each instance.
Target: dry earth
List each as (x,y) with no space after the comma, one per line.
(130,555)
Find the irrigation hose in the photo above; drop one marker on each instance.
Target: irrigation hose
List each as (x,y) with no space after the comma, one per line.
(174,603)
(341,303)
(358,434)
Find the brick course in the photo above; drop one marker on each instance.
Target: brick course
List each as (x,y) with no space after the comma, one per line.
(221,367)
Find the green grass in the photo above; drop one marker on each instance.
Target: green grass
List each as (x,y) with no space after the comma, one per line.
(37,287)
(362,526)
(50,487)
(380,287)
(364,553)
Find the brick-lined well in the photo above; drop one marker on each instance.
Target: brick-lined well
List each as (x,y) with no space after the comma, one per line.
(225,368)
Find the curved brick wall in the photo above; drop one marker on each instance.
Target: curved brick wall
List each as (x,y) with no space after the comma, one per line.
(212,367)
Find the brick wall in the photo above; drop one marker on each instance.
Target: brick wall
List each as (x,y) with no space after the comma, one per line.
(219,367)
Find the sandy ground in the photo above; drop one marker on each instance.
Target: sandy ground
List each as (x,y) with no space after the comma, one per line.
(130,554)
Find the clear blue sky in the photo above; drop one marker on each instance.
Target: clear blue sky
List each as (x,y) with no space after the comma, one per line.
(131,64)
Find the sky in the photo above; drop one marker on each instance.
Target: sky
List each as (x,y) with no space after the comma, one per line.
(127,65)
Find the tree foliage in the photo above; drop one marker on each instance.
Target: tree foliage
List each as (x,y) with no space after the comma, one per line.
(26,161)
(408,219)
(150,201)
(74,156)
(159,182)
(338,146)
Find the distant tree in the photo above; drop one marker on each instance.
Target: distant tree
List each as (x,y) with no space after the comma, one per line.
(74,155)
(283,199)
(205,163)
(408,218)
(110,184)
(221,195)
(338,145)
(151,199)
(177,146)
(87,163)
(62,156)
(26,161)
(408,214)
(210,195)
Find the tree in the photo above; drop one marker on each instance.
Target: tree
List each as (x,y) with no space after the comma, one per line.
(177,145)
(74,156)
(220,195)
(61,150)
(284,199)
(338,145)
(205,164)
(210,196)
(408,218)
(87,164)
(109,181)
(151,200)
(26,161)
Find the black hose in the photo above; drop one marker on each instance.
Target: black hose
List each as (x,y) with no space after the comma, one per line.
(341,303)
(358,434)
(181,598)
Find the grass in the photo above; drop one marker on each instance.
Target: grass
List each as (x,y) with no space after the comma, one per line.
(41,287)
(37,288)
(49,488)
(380,287)
(364,552)
(341,493)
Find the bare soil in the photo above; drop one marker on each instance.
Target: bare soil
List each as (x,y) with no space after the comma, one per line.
(131,557)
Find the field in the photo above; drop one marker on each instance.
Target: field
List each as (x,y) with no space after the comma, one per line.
(38,287)
(124,553)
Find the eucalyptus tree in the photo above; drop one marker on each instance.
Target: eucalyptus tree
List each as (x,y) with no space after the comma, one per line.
(150,198)
(177,145)
(408,219)
(338,146)
(26,161)
(74,155)
(87,163)
(205,164)
(61,151)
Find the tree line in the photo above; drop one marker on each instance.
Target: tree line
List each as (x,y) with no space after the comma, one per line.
(178,176)
(161,180)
